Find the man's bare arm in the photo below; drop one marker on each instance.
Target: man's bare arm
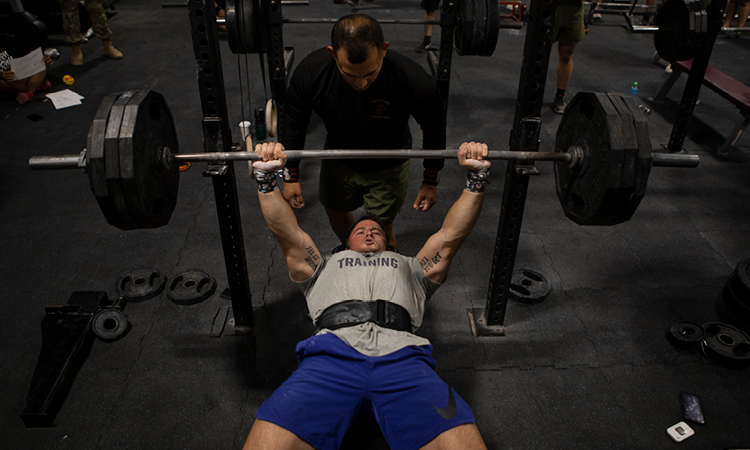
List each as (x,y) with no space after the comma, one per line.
(302,256)
(438,252)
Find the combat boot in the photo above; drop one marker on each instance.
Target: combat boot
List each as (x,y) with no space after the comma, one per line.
(110,51)
(76,55)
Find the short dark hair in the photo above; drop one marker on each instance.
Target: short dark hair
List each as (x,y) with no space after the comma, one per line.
(356,33)
(374,218)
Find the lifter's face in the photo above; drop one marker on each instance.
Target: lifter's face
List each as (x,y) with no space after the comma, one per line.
(367,236)
(360,76)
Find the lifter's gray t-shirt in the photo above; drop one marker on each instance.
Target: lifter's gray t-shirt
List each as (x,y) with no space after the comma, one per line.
(350,275)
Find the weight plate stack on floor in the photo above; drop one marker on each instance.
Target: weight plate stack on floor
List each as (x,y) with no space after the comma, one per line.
(191,287)
(686,335)
(529,286)
(141,284)
(611,131)
(726,344)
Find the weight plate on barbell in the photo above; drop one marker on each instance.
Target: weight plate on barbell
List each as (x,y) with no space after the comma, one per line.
(109,324)
(122,218)
(644,159)
(674,40)
(493,28)
(95,161)
(141,284)
(725,343)
(685,334)
(467,31)
(607,188)
(191,287)
(529,286)
(243,26)
(150,188)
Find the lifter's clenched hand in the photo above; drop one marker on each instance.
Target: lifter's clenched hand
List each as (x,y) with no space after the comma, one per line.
(471,154)
(272,157)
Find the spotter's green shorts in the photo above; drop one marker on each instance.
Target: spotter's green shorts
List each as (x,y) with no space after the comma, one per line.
(569,27)
(382,192)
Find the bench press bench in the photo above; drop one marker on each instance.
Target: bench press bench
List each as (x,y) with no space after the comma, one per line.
(737,93)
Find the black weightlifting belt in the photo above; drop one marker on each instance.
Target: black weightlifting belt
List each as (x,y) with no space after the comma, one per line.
(354,312)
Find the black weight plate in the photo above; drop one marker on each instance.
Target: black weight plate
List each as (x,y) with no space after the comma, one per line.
(141,284)
(109,324)
(464,30)
(595,192)
(492,30)
(739,307)
(191,287)
(741,281)
(233,21)
(673,39)
(95,165)
(479,29)
(685,334)
(149,187)
(725,343)
(529,286)
(628,139)
(122,220)
(645,158)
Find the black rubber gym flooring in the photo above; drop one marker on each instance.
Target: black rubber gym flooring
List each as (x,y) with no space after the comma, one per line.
(588,368)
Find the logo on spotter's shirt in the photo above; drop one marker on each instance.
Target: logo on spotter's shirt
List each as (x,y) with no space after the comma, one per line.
(373,261)
(380,108)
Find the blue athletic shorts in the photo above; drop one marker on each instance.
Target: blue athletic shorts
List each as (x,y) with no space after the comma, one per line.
(320,399)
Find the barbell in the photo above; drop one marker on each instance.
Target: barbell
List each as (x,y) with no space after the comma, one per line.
(476,31)
(602,154)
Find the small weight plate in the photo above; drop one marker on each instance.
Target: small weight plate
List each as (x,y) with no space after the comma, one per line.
(110,324)
(529,286)
(725,343)
(741,281)
(685,334)
(191,287)
(141,284)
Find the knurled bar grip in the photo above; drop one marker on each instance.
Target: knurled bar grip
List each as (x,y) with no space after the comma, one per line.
(74,161)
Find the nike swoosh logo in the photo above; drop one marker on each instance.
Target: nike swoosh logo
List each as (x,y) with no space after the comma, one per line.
(450,410)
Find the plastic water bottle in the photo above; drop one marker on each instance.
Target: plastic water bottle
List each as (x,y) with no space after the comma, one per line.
(634,90)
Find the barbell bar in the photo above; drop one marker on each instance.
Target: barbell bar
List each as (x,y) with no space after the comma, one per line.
(573,156)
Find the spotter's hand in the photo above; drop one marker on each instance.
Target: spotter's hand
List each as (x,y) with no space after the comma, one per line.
(471,154)
(272,157)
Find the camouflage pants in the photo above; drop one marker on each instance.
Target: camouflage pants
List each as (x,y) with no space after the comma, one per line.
(72,20)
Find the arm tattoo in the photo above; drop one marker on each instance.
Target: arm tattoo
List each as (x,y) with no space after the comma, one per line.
(428,263)
(313,259)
